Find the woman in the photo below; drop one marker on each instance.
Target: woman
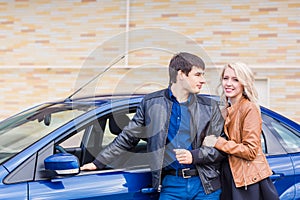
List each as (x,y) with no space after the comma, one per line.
(246,173)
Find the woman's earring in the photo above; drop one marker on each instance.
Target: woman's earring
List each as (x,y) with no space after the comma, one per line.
(245,94)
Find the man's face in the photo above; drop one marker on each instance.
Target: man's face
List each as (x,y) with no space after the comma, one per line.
(194,81)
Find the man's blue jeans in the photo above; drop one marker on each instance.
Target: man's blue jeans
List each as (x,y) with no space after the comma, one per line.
(175,187)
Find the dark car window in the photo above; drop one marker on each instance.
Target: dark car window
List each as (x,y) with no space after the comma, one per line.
(113,129)
(133,157)
(287,138)
(74,141)
(278,132)
(87,142)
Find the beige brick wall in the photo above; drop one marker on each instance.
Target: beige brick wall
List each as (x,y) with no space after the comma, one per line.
(45,44)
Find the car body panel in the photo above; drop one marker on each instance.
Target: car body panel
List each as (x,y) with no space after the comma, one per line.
(107,185)
(296,163)
(11,191)
(283,175)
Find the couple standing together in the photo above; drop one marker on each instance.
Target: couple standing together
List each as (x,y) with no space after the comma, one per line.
(199,151)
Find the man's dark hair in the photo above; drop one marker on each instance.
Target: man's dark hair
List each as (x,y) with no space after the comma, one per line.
(183,61)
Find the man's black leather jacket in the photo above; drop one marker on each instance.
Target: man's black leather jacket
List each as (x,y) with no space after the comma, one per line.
(151,123)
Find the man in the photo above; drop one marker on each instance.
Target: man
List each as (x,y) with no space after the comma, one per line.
(174,121)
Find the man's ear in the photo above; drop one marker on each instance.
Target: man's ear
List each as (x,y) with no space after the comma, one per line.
(180,74)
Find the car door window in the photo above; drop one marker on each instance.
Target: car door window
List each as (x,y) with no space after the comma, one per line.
(74,141)
(84,142)
(287,138)
(87,142)
(134,157)
(114,126)
(279,136)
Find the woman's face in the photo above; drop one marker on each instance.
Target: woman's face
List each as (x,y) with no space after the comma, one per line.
(233,89)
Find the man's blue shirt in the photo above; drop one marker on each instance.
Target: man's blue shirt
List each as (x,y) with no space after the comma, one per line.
(178,133)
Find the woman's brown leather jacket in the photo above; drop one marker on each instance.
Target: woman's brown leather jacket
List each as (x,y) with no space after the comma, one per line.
(243,128)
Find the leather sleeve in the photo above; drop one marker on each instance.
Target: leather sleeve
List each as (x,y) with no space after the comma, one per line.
(204,154)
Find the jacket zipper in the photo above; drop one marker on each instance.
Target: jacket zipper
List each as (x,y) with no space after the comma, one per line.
(160,172)
(245,181)
(164,149)
(194,146)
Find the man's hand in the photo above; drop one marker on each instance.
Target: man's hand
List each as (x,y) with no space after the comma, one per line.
(183,156)
(210,141)
(88,167)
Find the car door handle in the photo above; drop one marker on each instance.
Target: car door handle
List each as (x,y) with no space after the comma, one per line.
(275,176)
(148,190)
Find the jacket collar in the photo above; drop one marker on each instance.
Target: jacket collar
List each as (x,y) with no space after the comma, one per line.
(237,105)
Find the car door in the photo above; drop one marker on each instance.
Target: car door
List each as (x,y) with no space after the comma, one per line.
(108,184)
(282,147)
(128,177)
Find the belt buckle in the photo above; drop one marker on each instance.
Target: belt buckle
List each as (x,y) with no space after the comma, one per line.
(183,173)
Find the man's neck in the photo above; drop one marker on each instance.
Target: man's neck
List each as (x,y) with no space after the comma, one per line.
(180,94)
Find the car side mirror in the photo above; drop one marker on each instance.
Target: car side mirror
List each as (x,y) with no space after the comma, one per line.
(62,164)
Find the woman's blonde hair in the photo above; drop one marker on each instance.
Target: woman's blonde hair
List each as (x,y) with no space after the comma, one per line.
(246,78)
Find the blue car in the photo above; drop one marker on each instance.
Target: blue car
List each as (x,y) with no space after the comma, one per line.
(42,148)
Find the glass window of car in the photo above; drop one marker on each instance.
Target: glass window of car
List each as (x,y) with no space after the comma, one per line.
(87,142)
(287,138)
(74,141)
(109,135)
(24,129)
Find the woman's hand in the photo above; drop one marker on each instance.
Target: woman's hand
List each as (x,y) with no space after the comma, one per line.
(210,141)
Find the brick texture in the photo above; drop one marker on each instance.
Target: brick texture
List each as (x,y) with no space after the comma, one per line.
(48,46)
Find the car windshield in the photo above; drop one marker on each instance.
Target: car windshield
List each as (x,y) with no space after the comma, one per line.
(26,128)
